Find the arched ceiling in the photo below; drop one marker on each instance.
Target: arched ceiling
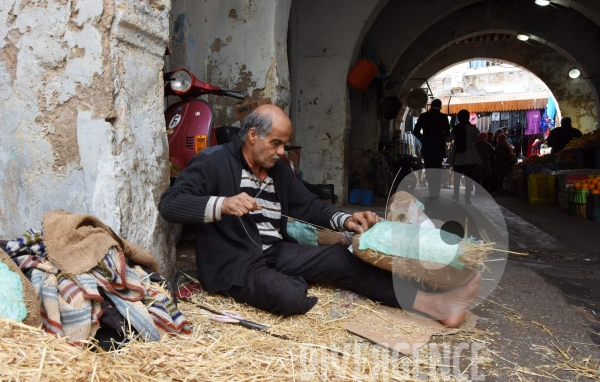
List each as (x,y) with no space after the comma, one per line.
(562,29)
(411,35)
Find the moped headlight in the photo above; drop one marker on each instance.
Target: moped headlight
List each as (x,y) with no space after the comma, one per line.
(181,81)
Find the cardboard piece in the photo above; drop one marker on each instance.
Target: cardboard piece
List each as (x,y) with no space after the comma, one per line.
(247,108)
(397,330)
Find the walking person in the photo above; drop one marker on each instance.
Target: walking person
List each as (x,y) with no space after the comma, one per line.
(432,129)
(504,156)
(482,173)
(464,157)
(562,135)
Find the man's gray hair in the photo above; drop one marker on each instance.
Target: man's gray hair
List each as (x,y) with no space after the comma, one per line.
(260,123)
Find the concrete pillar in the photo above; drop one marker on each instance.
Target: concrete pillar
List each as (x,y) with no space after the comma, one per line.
(82,116)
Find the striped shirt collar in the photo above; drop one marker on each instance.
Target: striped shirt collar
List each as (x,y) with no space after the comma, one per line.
(246,164)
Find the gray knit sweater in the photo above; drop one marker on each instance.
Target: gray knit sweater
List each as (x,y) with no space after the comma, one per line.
(224,250)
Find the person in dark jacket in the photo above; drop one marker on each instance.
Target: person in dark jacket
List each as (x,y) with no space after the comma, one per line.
(503,160)
(482,173)
(238,196)
(432,129)
(562,135)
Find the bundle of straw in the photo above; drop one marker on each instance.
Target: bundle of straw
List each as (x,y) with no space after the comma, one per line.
(437,276)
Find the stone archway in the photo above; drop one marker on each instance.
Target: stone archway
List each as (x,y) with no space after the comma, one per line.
(574,96)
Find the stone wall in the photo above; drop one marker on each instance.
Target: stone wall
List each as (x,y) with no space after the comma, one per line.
(239,44)
(325,38)
(82,116)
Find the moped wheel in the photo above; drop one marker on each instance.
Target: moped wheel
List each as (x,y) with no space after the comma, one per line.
(383,183)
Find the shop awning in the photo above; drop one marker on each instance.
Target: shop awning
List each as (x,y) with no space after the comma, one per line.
(496,102)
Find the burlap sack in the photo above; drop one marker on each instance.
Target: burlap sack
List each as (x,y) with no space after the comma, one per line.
(31,300)
(76,243)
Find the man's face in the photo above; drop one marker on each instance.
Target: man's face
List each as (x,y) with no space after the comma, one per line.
(266,152)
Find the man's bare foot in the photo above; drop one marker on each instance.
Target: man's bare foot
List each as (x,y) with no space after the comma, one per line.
(449,308)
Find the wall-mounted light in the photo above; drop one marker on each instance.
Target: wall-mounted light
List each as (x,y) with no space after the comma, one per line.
(543,3)
(523,37)
(574,73)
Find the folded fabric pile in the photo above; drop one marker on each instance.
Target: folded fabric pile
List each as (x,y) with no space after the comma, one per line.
(73,281)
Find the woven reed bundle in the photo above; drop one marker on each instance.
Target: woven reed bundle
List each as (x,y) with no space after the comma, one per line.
(438,276)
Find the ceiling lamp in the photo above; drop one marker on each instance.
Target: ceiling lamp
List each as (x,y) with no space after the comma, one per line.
(543,3)
(574,73)
(523,37)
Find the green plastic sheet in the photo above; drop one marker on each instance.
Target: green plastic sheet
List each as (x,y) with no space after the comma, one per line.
(410,241)
(12,304)
(305,234)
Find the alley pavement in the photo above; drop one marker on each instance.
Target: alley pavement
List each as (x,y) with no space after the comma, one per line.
(548,296)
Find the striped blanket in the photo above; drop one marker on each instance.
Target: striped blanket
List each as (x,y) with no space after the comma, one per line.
(71,306)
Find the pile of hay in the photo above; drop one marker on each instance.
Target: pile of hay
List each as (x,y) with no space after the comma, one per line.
(319,349)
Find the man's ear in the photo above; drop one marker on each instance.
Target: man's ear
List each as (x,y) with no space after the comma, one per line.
(252,136)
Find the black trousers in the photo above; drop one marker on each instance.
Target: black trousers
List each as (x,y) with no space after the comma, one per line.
(467,171)
(277,282)
(434,177)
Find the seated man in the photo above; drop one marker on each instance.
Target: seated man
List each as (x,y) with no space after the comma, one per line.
(238,196)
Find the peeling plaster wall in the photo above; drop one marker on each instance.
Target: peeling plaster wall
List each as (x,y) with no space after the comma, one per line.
(324,36)
(239,44)
(81,116)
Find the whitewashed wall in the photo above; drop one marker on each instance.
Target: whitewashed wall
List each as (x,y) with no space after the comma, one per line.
(81,116)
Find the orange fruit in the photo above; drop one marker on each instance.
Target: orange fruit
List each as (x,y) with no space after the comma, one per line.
(577,186)
(585,186)
(591,186)
(595,180)
(596,191)
(586,181)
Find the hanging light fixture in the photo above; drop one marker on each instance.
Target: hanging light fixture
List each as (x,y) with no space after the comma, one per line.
(543,3)
(574,73)
(523,37)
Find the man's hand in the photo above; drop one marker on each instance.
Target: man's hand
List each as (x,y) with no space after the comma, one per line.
(361,221)
(239,205)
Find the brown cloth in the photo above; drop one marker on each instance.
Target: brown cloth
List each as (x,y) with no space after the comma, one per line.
(76,243)
(31,301)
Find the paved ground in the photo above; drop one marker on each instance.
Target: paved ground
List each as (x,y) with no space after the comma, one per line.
(542,312)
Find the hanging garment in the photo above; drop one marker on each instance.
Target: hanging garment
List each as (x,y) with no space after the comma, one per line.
(515,120)
(495,116)
(504,116)
(484,123)
(551,108)
(533,122)
(495,126)
(473,118)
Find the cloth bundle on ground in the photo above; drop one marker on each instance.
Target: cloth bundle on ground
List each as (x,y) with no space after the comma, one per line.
(17,296)
(78,262)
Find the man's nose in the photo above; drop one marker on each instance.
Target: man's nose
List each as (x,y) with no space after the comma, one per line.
(280,150)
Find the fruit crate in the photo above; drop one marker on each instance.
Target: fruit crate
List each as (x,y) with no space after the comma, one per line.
(541,189)
(324,192)
(593,213)
(567,180)
(364,197)
(593,200)
(577,209)
(578,196)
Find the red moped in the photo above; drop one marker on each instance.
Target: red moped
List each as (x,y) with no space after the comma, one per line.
(190,121)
